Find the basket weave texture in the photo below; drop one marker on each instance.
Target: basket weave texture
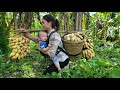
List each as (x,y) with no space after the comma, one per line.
(73,48)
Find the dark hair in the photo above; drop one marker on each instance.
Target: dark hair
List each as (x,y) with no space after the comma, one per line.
(55,22)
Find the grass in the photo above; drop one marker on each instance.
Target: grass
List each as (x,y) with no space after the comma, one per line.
(105,64)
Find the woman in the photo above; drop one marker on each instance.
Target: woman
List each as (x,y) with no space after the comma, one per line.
(61,59)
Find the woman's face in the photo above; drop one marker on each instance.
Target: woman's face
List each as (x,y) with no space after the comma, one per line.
(46,25)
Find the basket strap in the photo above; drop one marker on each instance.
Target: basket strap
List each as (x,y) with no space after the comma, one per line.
(47,41)
(61,49)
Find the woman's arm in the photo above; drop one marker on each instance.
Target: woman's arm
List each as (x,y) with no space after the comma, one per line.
(39,46)
(45,49)
(44,52)
(28,35)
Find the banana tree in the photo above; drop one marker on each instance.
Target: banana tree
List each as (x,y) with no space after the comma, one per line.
(77,21)
(99,23)
(3,38)
(105,17)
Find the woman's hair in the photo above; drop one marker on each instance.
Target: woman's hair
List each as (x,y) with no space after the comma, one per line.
(55,22)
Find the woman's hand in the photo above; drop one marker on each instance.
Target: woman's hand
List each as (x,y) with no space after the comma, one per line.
(23,30)
(49,45)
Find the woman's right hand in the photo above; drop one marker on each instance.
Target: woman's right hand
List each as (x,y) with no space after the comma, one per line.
(23,30)
(27,34)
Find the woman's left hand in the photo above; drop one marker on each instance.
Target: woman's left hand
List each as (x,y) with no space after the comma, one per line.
(49,45)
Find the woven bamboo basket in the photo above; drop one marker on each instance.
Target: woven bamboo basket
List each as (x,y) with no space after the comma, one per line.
(73,49)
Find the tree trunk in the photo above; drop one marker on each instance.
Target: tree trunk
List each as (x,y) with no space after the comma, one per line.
(103,31)
(87,21)
(68,22)
(20,20)
(65,21)
(80,14)
(77,21)
(60,20)
(25,20)
(74,21)
(15,20)
(3,34)
(96,26)
(8,28)
(28,19)
(106,28)
(94,31)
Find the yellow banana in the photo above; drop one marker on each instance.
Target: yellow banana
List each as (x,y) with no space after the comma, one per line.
(19,51)
(91,44)
(89,52)
(15,50)
(19,57)
(80,33)
(80,37)
(83,53)
(14,46)
(13,57)
(12,54)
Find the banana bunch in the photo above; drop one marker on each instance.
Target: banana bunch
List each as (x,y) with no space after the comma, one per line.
(88,51)
(74,37)
(19,47)
(88,43)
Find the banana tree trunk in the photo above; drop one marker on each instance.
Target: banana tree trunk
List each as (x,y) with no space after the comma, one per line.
(61,21)
(65,21)
(103,34)
(74,21)
(15,20)
(3,35)
(87,21)
(80,15)
(68,22)
(96,27)
(77,21)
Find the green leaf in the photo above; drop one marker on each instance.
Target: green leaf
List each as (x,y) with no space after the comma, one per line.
(115,73)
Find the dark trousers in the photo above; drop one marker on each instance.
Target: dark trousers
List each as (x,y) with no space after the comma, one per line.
(52,67)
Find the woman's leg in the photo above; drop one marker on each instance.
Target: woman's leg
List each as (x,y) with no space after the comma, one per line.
(50,69)
(65,63)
